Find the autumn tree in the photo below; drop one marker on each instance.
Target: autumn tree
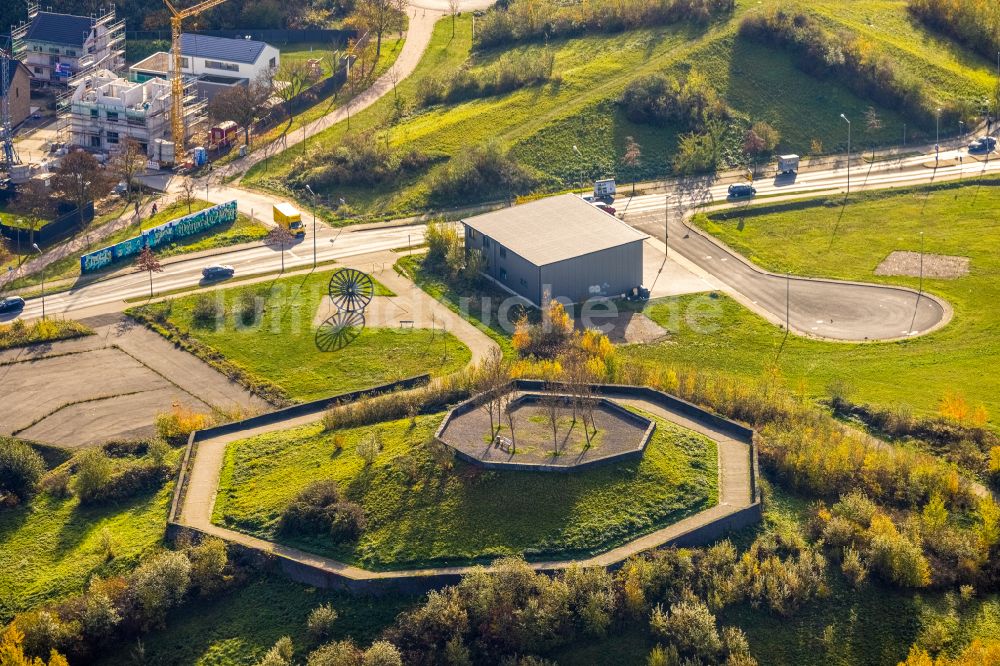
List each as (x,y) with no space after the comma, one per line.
(129,162)
(81,179)
(148,262)
(381,16)
(631,158)
(35,203)
(294,77)
(244,105)
(280,237)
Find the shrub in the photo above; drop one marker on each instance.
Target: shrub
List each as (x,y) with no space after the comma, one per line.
(44,632)
(208,565)
(99,617)
(21,468)
(382,653)
(93,475)
(207,309)
(319,508)
(435,396)
(853,567)
(690,626)
(177,425)
(341,653)
(320,621)
(688,102)
(159,584)
(247,307)
(361,159)
(19,334)
(280,654)
(975,23)
(369,447)
(56,483)
(477,173)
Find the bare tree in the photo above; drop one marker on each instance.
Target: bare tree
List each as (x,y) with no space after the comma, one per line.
(552,404)
(81,179)
(188,187)
(453,7)
(511,413)
(129,162)
(295,76)
(874,123)
(148,262)
(381,16)
(280,237)
(244,105)
(491,381)
(632,158)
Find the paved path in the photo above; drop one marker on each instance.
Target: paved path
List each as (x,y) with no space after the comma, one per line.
(205,469)
(109,385)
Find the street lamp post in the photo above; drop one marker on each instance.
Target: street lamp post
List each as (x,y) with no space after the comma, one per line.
(937,141)
(314,223)
(847,120)
(580,155)
(42,273)
(920,289)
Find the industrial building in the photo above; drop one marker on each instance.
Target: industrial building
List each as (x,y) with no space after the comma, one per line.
(560,247)
(56,47)
(217,63)
(107,109)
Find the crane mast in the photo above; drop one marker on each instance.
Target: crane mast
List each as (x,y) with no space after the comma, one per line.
(177,17)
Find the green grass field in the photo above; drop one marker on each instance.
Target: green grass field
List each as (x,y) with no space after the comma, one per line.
(50,547)
(420,514)
(848,243)
(281,346)
(541,124)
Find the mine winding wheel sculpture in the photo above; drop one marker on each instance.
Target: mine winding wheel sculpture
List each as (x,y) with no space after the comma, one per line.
(350,291)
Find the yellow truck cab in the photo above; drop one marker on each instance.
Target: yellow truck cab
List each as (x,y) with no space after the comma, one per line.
(288,216)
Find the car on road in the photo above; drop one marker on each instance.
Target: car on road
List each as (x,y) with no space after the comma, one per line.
(121,189)
(11,304)
(983,144)
(610,210)
(741,191)
(217,272)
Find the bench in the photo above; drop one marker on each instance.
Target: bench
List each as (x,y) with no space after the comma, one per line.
(505,444)
(406,323)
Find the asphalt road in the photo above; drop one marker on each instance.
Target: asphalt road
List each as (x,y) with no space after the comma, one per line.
(822,308)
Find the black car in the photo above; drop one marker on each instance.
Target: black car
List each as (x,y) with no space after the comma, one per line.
(983,145)
(738,191)
(217,272)
(11,304)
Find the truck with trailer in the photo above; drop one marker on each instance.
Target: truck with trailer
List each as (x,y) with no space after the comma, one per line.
(604,189)
(787,164)
(289,217)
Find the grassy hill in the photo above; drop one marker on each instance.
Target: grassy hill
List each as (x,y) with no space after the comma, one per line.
(540,124)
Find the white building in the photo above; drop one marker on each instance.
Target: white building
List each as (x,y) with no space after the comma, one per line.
(218,62)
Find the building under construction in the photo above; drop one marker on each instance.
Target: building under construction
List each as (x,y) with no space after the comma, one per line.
(106,110)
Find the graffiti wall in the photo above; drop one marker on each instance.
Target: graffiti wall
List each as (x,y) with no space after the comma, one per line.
(164,234)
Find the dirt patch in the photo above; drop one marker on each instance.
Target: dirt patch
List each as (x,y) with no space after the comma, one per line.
(934,265)
(629,328)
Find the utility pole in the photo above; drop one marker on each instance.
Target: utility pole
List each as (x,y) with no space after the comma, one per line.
(920,290)
(788,302)
(38,250)
(848,152)
(314,222)
(937,141)
(666,226)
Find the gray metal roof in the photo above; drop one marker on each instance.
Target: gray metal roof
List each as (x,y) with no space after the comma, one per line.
(59,28)
(221,48)
(554,229)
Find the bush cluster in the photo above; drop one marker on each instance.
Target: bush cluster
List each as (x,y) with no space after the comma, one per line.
(511,71)
(434,397)
(177,425)
(361,159)
(852,61)
(479,173)
(96,479)
(320,508)
(121,606)
(21,468)
(688,102)
(525,20)
(975,23)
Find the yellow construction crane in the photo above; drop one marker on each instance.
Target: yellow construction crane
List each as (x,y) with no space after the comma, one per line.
(177,83)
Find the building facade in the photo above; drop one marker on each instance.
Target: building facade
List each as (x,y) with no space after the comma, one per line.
(107,110)
(561,247)
(217,63)
(18,89)
(56,47)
